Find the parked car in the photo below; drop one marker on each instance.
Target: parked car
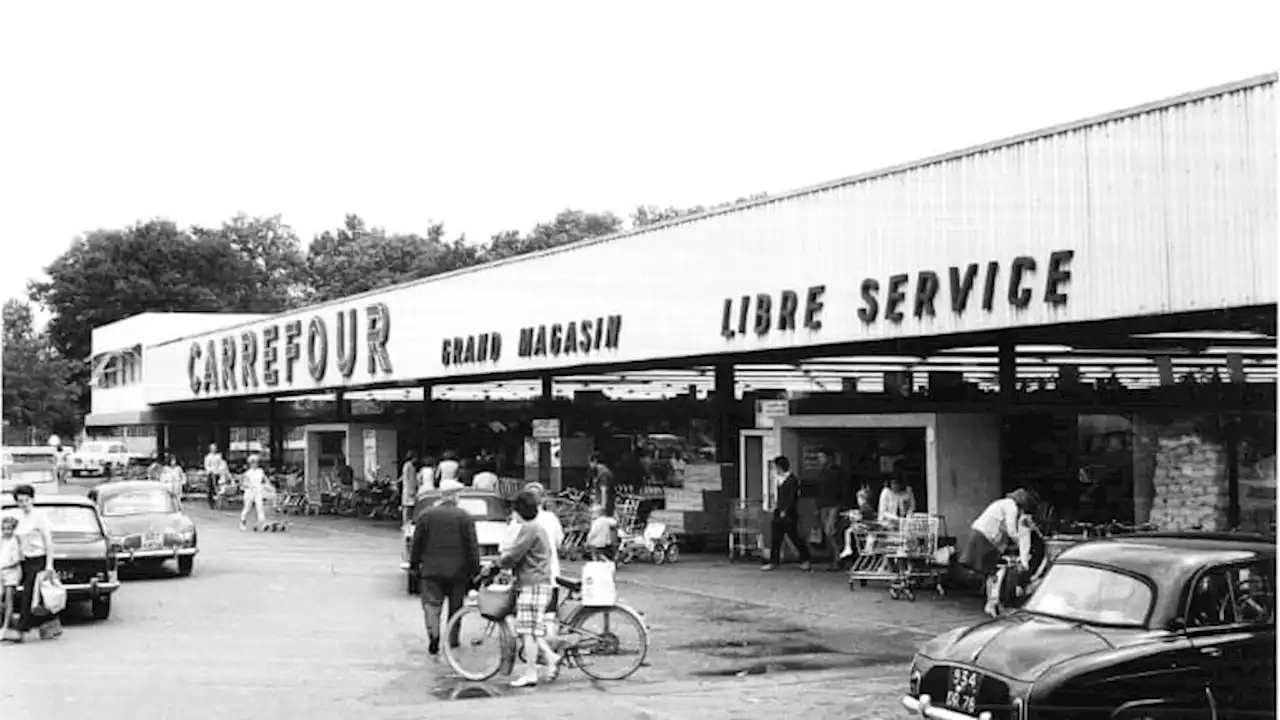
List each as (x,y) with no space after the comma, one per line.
(82,555)
(97,457)
(145,522)
(1153,625)
(489,511)
(27,466)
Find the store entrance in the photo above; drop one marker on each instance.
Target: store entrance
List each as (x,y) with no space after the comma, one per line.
(871,456)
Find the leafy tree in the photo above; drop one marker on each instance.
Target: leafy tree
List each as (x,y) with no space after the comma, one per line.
(39,387)
(567,227)
(273,277)
(109,275)
(356,258)
(646,215)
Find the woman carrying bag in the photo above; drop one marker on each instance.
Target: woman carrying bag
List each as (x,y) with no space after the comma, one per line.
(35,542)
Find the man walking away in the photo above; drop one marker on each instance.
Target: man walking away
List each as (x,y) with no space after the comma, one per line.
(444,555)
(409,485)
(785,521)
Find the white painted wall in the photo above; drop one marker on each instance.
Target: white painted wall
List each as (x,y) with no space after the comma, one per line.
(967,452)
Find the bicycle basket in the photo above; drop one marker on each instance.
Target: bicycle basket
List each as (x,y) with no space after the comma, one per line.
(496,602)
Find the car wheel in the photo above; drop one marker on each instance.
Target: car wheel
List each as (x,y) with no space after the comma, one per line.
(102,607)
(186,564)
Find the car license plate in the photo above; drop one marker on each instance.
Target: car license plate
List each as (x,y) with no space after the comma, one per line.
(153,540)
(962,692)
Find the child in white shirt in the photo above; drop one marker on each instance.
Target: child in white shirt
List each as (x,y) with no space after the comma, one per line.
(600,537)
(10,571)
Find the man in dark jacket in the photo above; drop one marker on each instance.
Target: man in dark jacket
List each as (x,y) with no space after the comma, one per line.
(786,523)
(444,555)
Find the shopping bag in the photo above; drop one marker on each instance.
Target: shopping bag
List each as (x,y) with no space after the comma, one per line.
(598,588)
(50,597)
(497,601)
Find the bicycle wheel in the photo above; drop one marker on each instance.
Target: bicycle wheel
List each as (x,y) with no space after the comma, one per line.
(608,643)
(482,645)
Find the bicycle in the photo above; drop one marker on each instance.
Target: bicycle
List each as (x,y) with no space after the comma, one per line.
(578,644)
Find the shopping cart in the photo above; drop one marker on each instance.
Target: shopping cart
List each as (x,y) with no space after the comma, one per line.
(746,527)
(638,540)
(902,555)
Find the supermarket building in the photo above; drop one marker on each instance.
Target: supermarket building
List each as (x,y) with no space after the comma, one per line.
(1089,309)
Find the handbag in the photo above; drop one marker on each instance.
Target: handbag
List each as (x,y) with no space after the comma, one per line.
(50,597)
(496,601)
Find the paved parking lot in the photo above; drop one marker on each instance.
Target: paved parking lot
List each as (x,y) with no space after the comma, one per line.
(315,622)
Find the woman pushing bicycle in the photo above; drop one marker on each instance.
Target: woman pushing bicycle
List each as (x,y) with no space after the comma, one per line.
(531,558)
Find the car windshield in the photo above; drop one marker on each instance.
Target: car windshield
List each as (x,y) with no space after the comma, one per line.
(138,502)
(71,518)
(1092,595)
(93,448)
(479,507)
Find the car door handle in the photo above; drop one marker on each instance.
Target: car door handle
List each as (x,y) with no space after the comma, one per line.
(1211,652)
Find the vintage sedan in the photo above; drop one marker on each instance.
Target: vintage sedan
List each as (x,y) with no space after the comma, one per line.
(34,466)
(1155,625)
(489,511)
(146,524)
(82,554)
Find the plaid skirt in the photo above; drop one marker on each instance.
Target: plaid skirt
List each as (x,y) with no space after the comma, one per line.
(531,610)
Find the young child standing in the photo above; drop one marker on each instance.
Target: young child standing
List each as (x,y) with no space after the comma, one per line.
(10,573)
(600,537)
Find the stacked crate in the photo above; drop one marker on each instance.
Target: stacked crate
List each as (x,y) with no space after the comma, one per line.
(1190,481)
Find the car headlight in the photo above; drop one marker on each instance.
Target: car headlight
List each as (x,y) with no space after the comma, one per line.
(188,535)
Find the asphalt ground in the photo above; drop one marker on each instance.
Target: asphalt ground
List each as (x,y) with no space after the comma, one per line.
(315,623)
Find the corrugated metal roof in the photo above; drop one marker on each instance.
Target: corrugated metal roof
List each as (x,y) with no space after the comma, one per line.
(905,169)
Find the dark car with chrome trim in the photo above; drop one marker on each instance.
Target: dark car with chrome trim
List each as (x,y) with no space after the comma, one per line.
(145,522)
(1149,626)
(82,555)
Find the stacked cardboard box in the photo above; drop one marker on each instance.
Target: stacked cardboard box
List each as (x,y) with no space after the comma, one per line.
(1190,481)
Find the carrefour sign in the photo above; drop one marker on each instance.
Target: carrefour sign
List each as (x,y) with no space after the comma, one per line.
(275,356)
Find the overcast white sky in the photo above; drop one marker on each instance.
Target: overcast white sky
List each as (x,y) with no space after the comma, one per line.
(493,116)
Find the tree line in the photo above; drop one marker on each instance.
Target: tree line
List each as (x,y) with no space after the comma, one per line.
(247,265)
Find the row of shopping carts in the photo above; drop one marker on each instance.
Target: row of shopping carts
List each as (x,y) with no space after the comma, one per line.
(637,539)
(905,555)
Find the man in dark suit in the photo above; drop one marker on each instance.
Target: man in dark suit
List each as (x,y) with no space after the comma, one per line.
(444,556)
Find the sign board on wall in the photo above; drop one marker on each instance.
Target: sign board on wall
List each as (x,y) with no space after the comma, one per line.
(546,429)
(767,410)
(1014,255)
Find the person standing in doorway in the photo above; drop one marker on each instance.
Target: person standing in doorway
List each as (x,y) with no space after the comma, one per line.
(408,485)
(254,482)
(832,501)
(215,469)
(602,483)
(444,555)
(786,523)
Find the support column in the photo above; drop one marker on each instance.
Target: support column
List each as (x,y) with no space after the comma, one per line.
(275,443)
(428,421)
(548,394)
(222,428)
(724,403)
(1008,372)
(342,406)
